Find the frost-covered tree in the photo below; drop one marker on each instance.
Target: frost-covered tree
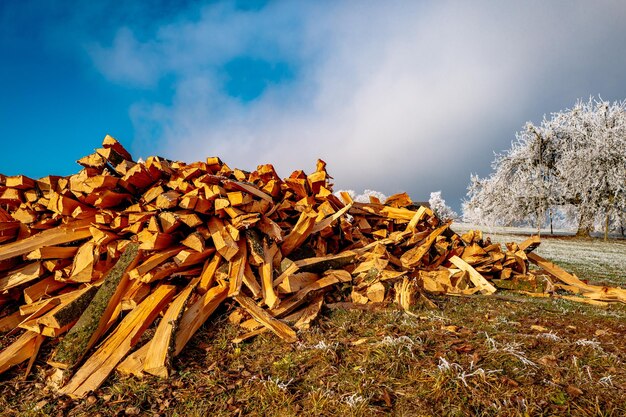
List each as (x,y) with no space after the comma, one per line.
(574,162)
(592,168)
(439,206)
(520,190)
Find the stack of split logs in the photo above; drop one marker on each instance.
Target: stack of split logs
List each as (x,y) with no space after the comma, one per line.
(117,266)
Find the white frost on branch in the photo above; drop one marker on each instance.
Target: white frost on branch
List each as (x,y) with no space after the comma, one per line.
(441,209)
(571,168)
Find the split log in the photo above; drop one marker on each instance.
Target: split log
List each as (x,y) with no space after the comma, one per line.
(478,280)
(99,365)
(62,234)
(93,322)
(279,328)
(19,351)
(160,350)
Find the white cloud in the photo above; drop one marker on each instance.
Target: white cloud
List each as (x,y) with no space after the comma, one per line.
(393,95)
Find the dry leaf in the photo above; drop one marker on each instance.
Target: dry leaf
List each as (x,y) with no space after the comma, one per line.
(574,391)
(451,328)
(548,360)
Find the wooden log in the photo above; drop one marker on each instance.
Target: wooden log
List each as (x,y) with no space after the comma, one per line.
(168,221)
(248,188)
(94,320)
(11,197)
(297,281)
(197,313)
(10,321)
(137,291)
(413,256)
(194,241)
(133,364)
(137,178)
(478,280)
(19,351)
(21,276)
(290,269)
(82,268)
(153,261)
(300,232)
(110,142)
(68,312)
(417,217)
(326,222)
(287,305)
(277,327)
(65,296)
(98,367)
(30,322)
(70,232)
(168,200)
(536,285)
(236,269)
(222,240)
(267,279)
(112,156)
(155,241)
(610,294)
(310,313)
(324,263)
(161,347)
(53,252)
(56,332)
(21,182)
(188,257)
(207,278)
(152,194)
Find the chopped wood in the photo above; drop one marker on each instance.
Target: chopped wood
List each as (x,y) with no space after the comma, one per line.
(236,270)
(414,256)
(10,322)
(82,269)
(68,312)
(596,292)
(133,364)
(98,367)
(197,314)
(93,321)
(19,351)
(21,276)
(302,230)
(62,234)
(478,280)
(223,241)
(207,278)
(53,252)
(153,261)
(92,259)
(279,328)
(160,349)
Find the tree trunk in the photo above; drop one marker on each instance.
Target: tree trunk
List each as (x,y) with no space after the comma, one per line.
(606,227)
(585,222)
(551,229)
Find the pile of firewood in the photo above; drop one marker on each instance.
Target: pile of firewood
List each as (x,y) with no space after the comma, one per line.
(90,262)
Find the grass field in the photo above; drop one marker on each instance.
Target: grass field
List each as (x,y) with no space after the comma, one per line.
(507,355)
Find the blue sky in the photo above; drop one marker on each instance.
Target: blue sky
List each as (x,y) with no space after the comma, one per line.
(395,96)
